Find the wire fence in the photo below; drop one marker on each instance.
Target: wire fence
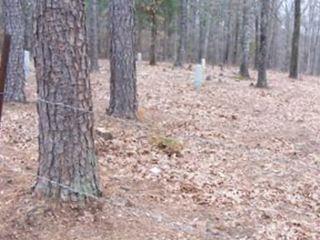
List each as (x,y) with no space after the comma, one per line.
(181,225)
(169,222)
(77,109)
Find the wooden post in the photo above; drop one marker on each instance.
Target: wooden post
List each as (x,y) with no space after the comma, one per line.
(3,68)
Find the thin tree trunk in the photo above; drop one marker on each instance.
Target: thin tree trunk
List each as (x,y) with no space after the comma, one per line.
(123,89)
(245,41)
(263,50)
(14,26)
(202,33)
(257,37)
(66,148)
(93,35)
(153,39)
(183,26)
(236,39)
(294,62)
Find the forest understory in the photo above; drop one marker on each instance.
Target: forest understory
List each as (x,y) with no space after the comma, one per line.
(227,162)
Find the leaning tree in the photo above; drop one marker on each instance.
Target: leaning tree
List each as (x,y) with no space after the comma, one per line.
(68,169)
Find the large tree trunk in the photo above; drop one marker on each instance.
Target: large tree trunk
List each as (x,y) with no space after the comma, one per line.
(66,148)
(183,26)
(245,41)
(263,50)
(294,62)
(123,89)
(14,25)
(93,35)
(154,33)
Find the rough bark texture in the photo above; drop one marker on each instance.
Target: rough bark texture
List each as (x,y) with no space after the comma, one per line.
(66,146)
(245,41)
(14,25)
(263,49)
(93,35)
(154,33)
(123,93)
(294,62)
(183,27)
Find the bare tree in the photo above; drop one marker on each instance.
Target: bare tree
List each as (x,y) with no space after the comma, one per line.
(14,25)
(66,148)
(294,62)
(263,49)
(93,35)
(123,89)
(245,40)
(183,27)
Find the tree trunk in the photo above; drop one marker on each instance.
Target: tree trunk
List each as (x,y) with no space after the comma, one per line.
(236,39)
(202,33)
(28,8)
(183,22)
(14,26)
(66,148)
(257,38)
(294,62)
(263,50)
(123,89)
(245,41)
(93,35)
(153,39)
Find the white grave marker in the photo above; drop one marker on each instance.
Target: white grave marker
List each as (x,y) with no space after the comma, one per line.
(139,57)
(198,77)
(26,63)
(203,63)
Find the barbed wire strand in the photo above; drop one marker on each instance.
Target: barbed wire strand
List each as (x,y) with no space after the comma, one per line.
(77,109)
(165,220)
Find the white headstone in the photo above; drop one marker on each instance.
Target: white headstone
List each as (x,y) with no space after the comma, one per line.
(203,63)
(26,64)
(198,77)
(139,57)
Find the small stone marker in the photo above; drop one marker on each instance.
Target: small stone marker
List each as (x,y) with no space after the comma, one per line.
(26,64)
(155,171)
(203,63)
(139,57)
(198,77)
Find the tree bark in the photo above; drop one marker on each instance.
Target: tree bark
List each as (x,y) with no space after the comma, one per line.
(66,148)
(93,35)
(183,26)
(123,83)
(245,41)
(14,26)
(294,62)
(263,49)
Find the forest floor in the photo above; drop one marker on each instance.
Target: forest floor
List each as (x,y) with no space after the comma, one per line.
(227,162)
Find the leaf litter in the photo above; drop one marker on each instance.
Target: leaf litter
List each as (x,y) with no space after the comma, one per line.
(234,161)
